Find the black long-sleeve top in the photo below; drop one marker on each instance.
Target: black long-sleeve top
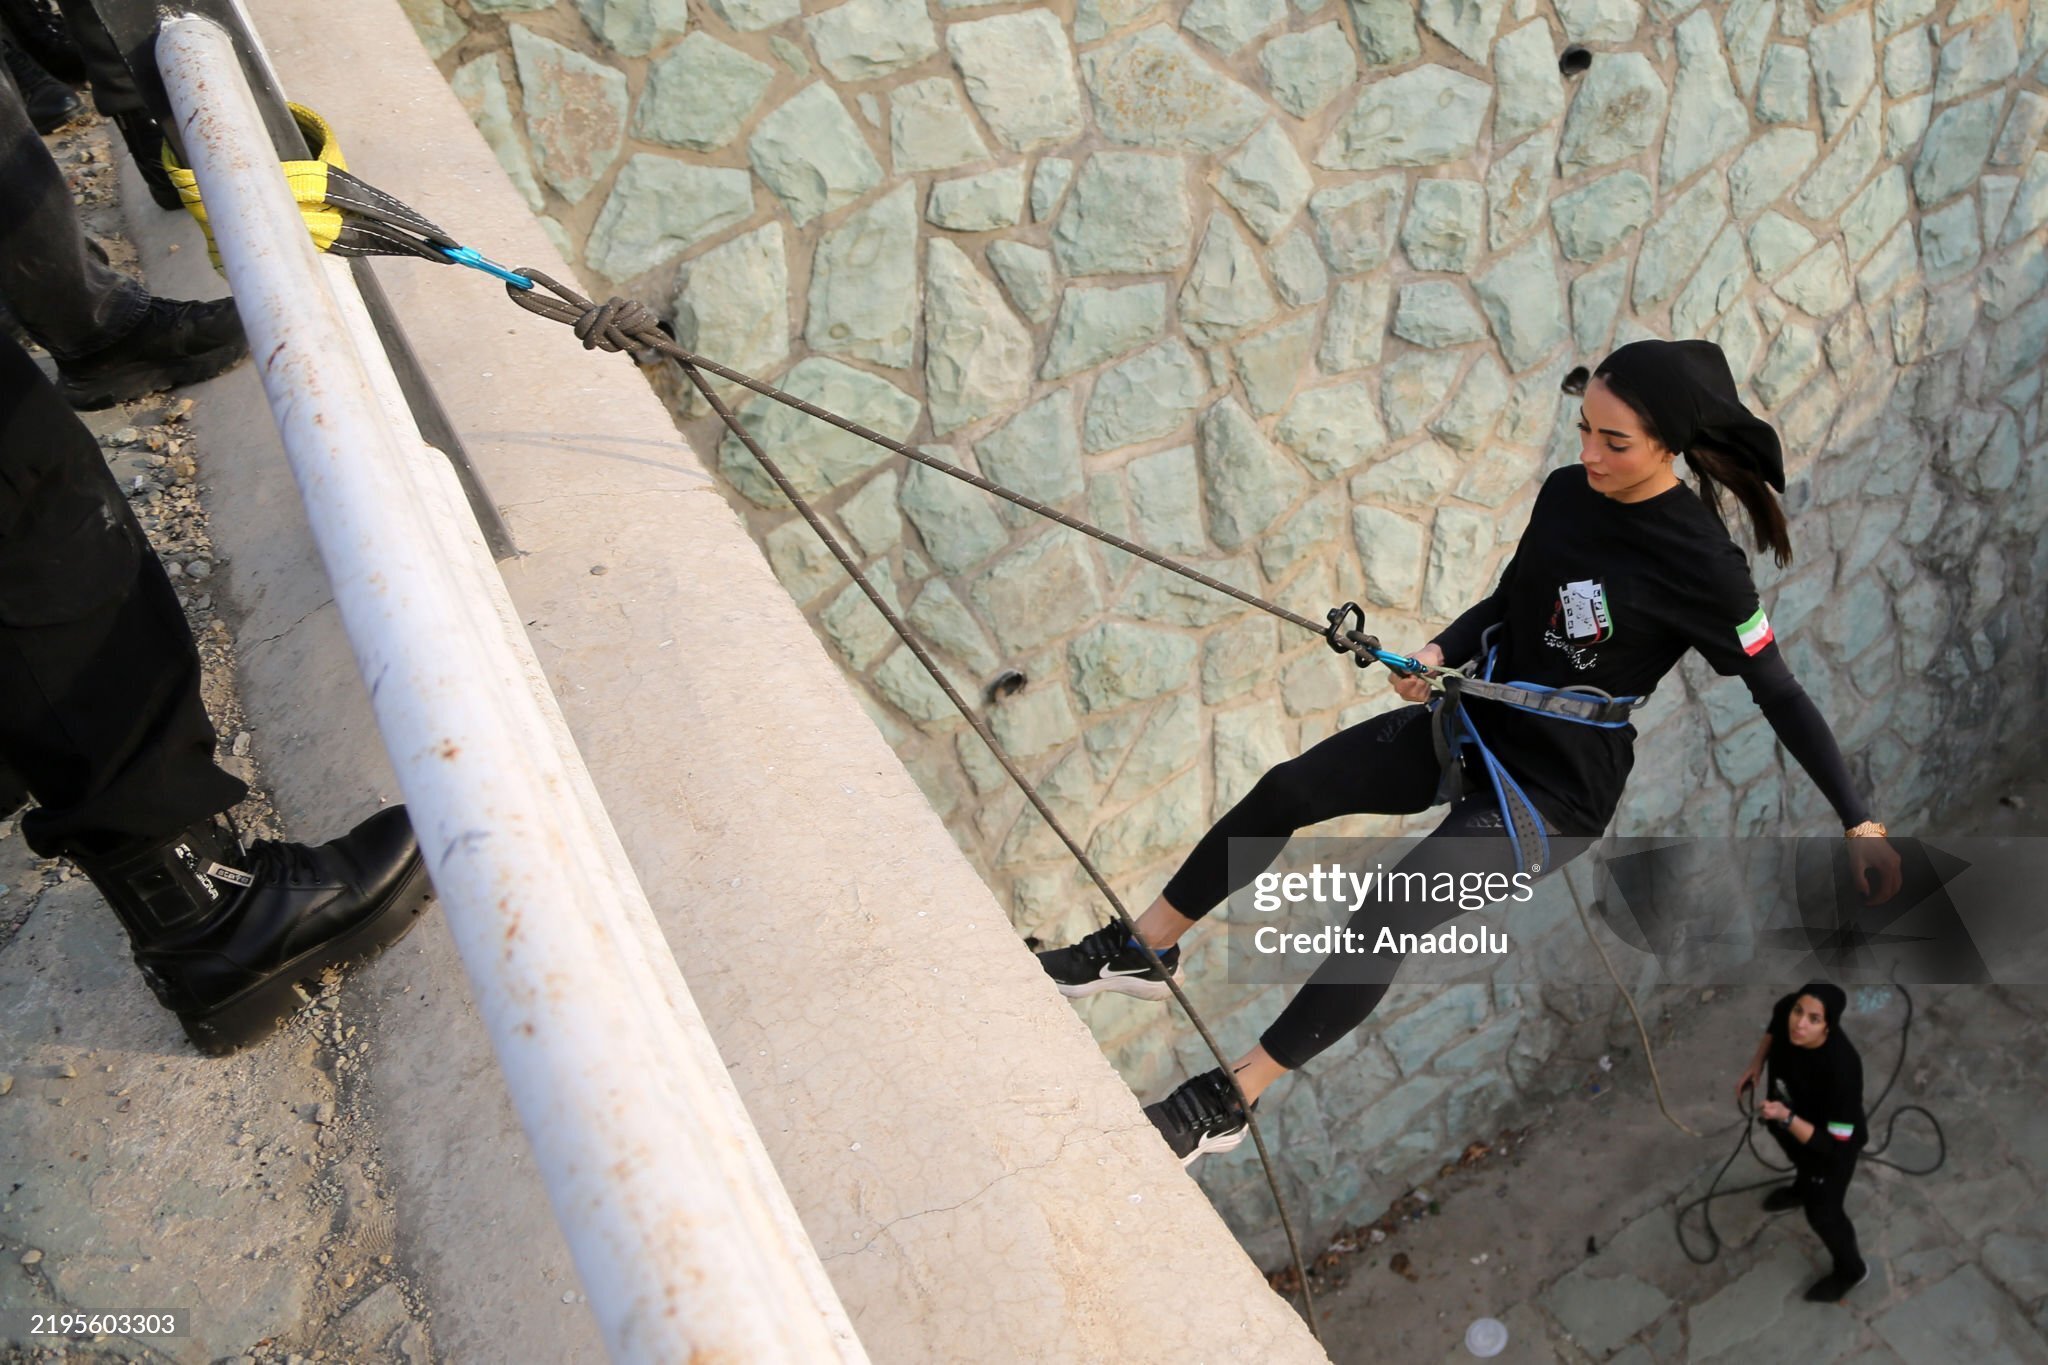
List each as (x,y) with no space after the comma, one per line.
(1823,1085)
(1611,595)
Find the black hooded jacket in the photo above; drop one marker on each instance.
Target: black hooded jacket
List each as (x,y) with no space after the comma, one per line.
(1823,1085)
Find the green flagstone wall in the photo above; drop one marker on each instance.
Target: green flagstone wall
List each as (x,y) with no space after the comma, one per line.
(1288,289)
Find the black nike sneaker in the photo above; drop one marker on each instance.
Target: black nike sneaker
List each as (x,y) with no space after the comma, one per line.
(1202,1116)
(1835,1287)
(1107,960)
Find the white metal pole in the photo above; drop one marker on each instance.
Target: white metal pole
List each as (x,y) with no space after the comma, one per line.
(685,1241)
(442,495)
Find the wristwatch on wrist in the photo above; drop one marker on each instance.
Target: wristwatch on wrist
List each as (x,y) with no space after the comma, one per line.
(1869,829)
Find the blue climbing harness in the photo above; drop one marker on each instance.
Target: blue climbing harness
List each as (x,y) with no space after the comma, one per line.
(1454,732)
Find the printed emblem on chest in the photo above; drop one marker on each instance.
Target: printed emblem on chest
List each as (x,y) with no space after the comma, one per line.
(1579,619)
(1586,617)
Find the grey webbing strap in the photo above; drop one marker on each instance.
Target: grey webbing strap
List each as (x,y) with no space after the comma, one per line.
(1601,710)
(1594,710)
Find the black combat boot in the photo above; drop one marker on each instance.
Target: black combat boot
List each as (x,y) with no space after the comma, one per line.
(37,26)
(224,936)
(50,103)
(176,341)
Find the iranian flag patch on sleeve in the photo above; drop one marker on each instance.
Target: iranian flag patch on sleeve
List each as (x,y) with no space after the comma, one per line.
(1755,633)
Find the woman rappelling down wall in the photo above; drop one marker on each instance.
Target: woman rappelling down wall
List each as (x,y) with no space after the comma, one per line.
(1622,568)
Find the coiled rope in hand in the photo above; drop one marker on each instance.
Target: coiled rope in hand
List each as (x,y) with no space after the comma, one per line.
(1746,1103)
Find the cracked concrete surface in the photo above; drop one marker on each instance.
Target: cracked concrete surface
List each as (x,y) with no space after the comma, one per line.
(246,1194)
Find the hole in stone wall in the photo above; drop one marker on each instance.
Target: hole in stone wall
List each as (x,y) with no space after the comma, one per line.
(1575,382)
(1574,60)
(1007,683)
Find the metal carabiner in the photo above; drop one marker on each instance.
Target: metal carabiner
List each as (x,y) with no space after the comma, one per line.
(476,260)
(1364,649)
(1337,616)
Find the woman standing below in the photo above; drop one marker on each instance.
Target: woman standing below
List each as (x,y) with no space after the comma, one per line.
(1621,570)
(1816,1114)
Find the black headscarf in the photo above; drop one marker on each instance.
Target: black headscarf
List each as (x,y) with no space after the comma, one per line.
(1687,391)
(1832,999)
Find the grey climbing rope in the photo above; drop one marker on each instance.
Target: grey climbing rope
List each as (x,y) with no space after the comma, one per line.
(627,325)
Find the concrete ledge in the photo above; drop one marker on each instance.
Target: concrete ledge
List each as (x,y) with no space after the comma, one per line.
(981,1184)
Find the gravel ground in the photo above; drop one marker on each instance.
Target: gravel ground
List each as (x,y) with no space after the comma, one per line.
(135,1175)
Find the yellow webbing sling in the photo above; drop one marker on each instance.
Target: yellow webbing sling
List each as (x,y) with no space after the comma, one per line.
(344,215)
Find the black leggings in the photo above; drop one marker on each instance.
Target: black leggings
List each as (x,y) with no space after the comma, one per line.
(1823,1183)
(1383,766)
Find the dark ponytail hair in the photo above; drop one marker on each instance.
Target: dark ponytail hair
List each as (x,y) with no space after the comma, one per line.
(1766,517)
(1716,472)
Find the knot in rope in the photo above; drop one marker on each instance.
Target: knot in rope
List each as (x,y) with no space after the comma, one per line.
(617,324)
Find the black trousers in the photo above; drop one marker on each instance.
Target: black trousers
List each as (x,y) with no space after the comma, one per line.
(100,713)
(1823,1184)
(64,293)
(1386,766)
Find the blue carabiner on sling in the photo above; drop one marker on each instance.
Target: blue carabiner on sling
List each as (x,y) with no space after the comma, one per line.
(476,260)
